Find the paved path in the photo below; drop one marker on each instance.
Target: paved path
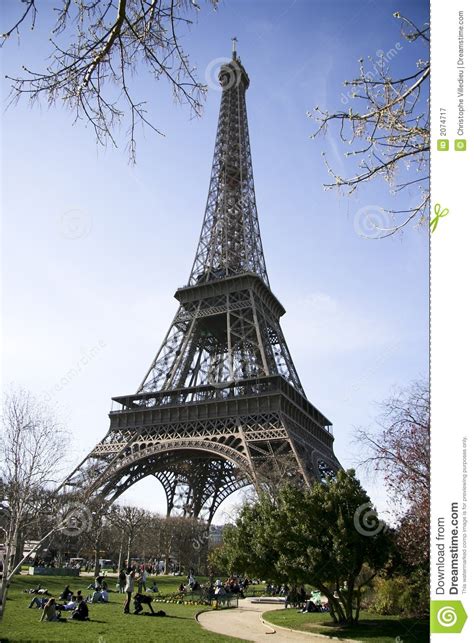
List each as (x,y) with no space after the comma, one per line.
(244,623)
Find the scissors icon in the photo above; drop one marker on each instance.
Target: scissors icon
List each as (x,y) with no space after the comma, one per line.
(438,215)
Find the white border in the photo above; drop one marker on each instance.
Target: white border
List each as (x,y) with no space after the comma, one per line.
(452,307)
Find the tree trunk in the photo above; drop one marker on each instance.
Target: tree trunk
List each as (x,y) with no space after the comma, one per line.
(335,608)
(17,553)
(129,550)
(119,562)
(358,600)
(4,582)
(96,557)
(348,602)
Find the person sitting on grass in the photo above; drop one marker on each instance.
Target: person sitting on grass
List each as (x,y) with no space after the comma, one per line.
(81,613)
(101,596)
(97,584)
(141,599)
(94,597)
(49,611)
(65,594)
(313,604)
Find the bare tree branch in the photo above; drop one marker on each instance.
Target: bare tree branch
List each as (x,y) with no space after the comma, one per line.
(98,46)
(389,132)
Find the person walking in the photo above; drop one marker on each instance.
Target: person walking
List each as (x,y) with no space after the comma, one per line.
(129,587)
(144,579)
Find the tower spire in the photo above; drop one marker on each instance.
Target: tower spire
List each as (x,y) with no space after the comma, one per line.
(230,242)
(234,48)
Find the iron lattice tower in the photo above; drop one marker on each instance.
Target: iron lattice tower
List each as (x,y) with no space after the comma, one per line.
(221,406)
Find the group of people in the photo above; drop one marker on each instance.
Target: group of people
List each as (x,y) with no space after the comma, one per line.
(305,602)
(127,580)
(277,590)
(232,585)
(77,603)
(141,576)
(100,589)
(314,604)
(67,602)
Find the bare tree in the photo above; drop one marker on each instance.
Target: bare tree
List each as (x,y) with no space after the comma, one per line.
(97,527)
(167,535)
(179,538)
(275,473)
(400,450)
(97,46)
(388,127)
(31,451)
(130,521)
(190,541)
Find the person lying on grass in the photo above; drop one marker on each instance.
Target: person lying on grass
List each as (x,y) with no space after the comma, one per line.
(38,602)
(37,590)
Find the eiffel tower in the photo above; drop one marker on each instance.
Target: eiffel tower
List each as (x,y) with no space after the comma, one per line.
(221,406)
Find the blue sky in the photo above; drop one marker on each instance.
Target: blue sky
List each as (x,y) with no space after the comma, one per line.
(357,309)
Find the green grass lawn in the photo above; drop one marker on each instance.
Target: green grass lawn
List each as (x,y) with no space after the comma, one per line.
(371,628)
(108,624)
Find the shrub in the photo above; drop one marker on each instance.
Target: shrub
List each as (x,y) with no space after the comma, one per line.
(401,595)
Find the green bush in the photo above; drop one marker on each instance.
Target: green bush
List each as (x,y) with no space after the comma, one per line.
(415,599)
(387,595)
(402,595)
